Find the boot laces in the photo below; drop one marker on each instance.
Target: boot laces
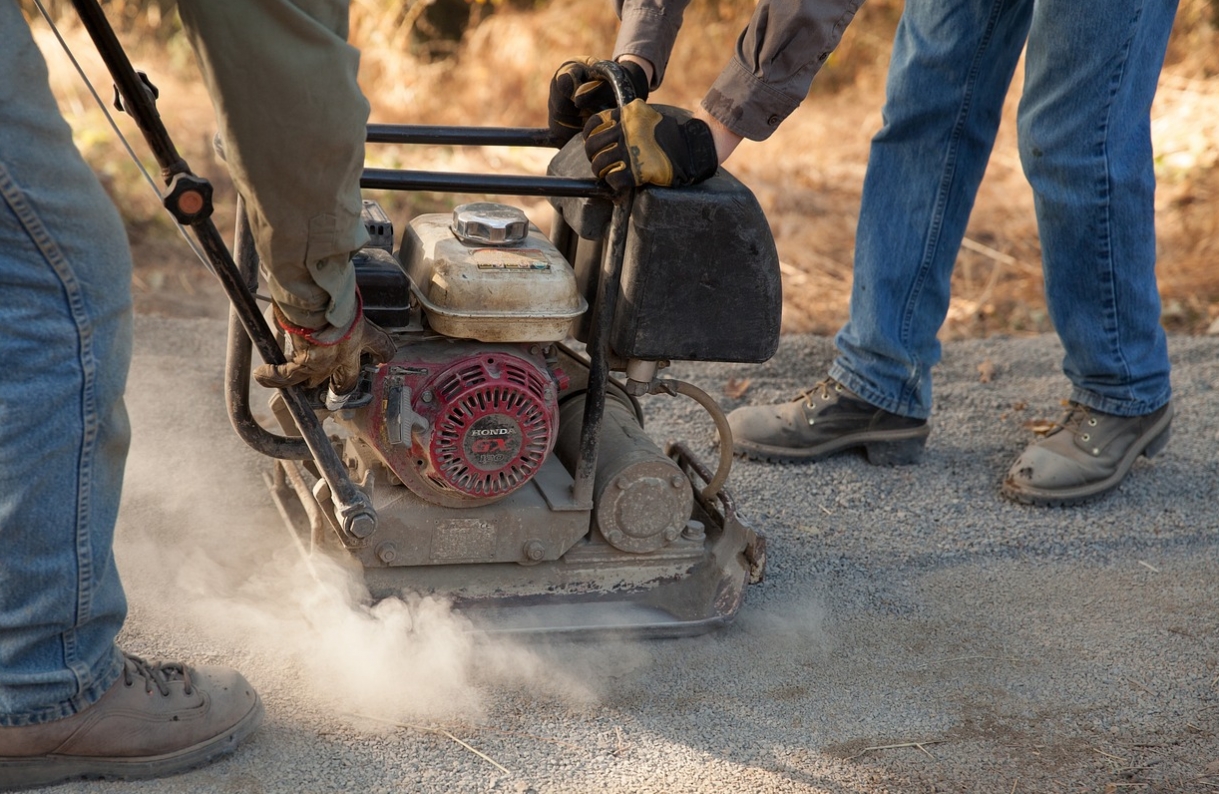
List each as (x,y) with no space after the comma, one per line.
(1074,421)
(821,389)
(157,675)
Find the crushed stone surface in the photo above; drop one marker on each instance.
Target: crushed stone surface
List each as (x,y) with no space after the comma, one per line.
(915,631)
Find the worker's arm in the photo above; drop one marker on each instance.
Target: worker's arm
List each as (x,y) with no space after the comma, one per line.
(776,58)
(282,78)
(773,65)
(647,33)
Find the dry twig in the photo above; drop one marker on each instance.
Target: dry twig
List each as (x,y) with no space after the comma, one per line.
(735,388)
(969,659)
(919,745)
(438,732)
(998,256)
(1140,685)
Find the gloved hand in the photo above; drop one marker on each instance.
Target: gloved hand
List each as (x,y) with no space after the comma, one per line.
(576,93)
(643,145)
(327,353)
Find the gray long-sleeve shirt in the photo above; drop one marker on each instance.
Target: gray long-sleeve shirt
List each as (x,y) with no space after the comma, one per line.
(776,58)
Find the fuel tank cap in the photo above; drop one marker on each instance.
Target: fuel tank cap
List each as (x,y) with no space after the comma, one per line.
(488,223)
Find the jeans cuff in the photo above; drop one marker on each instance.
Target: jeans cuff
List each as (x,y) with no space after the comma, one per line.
(1113,407)
(112,667)
(874,398)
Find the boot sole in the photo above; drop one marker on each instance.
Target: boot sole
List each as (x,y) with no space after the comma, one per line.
(1157,437)
(22,773)
(882,447)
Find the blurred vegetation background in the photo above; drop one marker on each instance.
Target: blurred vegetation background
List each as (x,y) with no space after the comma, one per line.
(489,62)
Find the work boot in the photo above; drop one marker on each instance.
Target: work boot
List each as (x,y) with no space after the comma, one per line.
(1085,455)
(157,719)
(821,421)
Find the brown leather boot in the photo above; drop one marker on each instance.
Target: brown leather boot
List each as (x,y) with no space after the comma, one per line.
(1086,455)
(156,720)
(823,421)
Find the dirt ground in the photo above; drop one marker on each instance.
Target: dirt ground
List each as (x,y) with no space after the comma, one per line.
(915,633)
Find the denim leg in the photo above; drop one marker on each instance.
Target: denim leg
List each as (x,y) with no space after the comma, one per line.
(65,346)
(1085,142)
(952,64)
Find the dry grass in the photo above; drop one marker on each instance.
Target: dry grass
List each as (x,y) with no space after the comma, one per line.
(807,176)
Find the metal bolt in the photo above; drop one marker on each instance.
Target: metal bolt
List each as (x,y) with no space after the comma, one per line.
(427,396)
(637,388)
(535,551)
(671,534)
(677,481)
(695,530)
(621,483)
(361,525)
(614,537)
(387,553)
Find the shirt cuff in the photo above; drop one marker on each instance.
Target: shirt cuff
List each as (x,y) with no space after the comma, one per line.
(746,105)
(648,34)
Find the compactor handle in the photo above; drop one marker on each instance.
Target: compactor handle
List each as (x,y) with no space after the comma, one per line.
(353,507)
(608,287)
(619,81)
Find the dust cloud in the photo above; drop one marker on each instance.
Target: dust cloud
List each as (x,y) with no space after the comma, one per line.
(212,573)
(798,627)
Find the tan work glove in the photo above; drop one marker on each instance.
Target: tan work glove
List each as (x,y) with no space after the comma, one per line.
(327,353)
(576,93)
(644,145)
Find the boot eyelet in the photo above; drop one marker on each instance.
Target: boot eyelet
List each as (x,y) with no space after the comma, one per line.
(1092,422)
(812,422)
(1086,437)
(1095,451)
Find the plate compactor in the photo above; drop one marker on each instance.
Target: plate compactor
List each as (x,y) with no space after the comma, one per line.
(499,459)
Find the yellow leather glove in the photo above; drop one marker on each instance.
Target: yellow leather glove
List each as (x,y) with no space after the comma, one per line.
(576,93)
(327,353)
(644,145)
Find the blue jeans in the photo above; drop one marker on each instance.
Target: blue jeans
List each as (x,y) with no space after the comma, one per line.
(1085,144)
(65,346)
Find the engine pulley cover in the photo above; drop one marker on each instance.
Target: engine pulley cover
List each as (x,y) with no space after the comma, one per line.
(462,424)
(492,430)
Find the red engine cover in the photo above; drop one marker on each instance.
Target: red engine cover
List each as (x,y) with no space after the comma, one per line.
(491,419)
(492,429)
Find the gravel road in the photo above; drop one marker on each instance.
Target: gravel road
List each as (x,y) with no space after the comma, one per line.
(915,631)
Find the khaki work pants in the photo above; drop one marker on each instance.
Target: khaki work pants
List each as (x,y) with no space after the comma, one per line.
(292,118)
